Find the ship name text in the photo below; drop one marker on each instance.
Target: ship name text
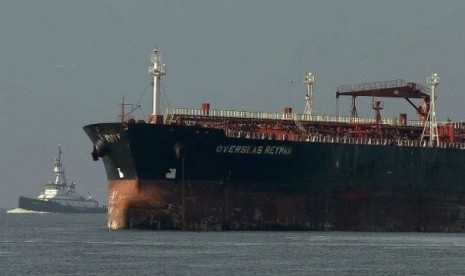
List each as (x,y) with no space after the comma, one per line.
(110,138)
(257,150)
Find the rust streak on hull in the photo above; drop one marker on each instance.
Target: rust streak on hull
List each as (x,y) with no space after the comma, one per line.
(144,204)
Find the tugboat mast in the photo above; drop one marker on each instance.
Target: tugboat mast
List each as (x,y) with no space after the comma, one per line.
(157,70)
(58,171)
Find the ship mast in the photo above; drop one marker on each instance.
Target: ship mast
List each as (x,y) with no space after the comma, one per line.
(121,115)
(433,81)
(309,80)
(157,70)
(58,171)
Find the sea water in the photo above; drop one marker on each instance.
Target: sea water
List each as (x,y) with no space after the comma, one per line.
(80,244)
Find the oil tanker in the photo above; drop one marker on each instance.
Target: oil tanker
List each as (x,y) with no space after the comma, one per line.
(212,169)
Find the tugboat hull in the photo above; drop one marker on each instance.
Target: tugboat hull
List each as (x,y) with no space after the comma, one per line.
(33,204)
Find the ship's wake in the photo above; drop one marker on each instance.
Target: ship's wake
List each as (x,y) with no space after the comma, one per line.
(23,211)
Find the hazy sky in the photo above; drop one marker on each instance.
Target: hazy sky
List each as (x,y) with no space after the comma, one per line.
(65,64)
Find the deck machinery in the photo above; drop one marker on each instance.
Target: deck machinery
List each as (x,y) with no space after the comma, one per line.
(301,127)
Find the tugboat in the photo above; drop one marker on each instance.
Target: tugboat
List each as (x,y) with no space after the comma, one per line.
(59,197)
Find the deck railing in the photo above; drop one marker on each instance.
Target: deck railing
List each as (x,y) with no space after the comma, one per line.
(298,118)
(345,140)
(283,116)
(377,85)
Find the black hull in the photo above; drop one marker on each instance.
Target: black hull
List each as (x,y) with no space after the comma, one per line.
(174,177)
(33,204)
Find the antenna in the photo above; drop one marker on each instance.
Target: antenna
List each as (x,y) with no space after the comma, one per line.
(433,81)
(309,80)
(58,170)
(124,116)
(157,70)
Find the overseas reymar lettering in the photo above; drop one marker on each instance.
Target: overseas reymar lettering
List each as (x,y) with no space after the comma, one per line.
(254,150)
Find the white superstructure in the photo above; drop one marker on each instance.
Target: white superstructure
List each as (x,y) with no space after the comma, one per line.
(60,192)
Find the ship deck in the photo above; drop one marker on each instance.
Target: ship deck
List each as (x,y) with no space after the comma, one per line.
(317,128)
